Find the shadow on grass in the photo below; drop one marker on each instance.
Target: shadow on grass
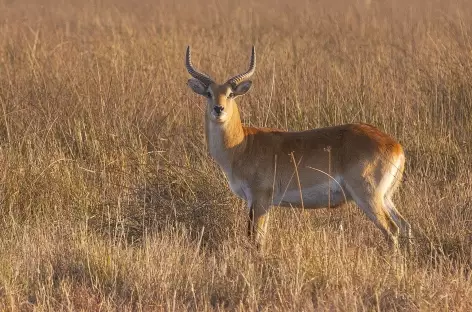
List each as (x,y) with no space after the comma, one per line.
(172,196)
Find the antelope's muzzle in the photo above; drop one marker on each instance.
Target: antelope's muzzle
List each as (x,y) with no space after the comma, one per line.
(218,110)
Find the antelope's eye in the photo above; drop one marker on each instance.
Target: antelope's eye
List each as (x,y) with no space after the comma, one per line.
(208,94)
(231,95)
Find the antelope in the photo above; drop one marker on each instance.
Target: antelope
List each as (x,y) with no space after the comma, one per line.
(269,167)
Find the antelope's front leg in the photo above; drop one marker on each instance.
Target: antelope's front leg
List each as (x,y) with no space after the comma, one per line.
(258,221)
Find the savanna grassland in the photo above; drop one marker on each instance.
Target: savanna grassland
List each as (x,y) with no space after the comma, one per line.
(109,200)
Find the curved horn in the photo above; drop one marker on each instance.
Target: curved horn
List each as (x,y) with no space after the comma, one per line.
(195,73)
(242,77)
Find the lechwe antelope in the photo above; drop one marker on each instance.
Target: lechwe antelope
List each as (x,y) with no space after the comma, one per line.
(311,169)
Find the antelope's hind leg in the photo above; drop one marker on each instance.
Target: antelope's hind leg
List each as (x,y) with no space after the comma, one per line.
(405,227)
(373,206)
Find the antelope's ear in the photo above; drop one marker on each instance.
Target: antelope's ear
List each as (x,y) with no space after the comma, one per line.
(243,87)
(197,86)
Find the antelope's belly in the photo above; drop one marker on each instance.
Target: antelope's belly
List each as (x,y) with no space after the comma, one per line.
(322,195)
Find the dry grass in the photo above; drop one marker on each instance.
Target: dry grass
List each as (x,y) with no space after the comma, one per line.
(109,200)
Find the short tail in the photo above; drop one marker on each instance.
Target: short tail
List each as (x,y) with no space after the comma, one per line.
(397,170)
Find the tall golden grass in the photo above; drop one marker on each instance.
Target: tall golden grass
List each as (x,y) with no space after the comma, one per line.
(109,200)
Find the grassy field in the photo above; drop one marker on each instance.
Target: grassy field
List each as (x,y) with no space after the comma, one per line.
(109,200)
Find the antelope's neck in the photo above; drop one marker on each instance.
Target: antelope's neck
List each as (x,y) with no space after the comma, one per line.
(225,140)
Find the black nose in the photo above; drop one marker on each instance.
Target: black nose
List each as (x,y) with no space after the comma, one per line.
(218,109)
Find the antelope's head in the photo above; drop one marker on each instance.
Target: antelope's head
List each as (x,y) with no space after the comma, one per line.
(220,97)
